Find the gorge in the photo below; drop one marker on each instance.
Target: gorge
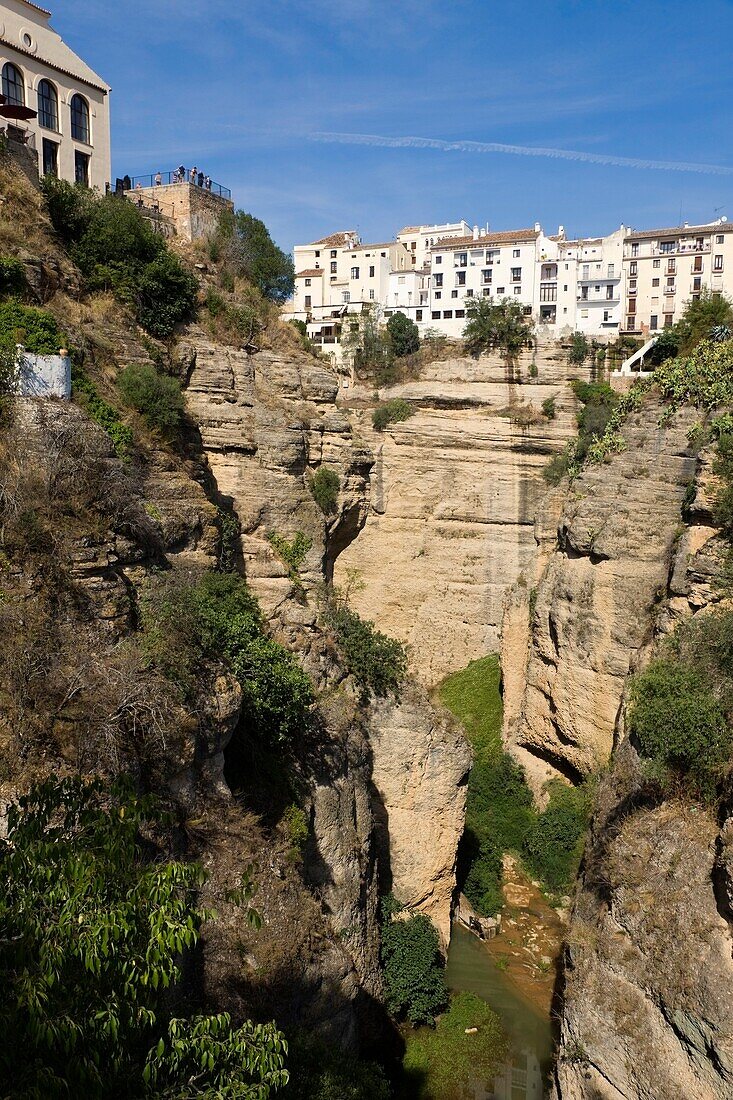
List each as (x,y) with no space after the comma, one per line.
(154,587)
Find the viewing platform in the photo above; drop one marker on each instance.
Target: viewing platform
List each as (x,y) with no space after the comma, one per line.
(191,209)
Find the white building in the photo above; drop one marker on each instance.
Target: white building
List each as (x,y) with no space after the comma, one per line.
(71,133)
(666,268)
(419,239)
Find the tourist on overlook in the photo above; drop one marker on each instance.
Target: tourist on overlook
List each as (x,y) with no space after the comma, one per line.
(158,179)
(181,173)
(200,179)
(192,174)
(207,183)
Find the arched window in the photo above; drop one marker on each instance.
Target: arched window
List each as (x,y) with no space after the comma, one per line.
(80,120)
(48,106)
(13,88)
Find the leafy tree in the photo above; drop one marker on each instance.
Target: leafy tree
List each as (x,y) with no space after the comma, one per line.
(325,486)
(548,408)
(482,885)
(320,1072)
(247,250)
(496,326)
(157,396)
(404,336)
(413,972)
(165,296)
(666,346)
(377,663)
(579,349)
(702,315)
(92,929)
(554,844)
(12,276)
(392,412)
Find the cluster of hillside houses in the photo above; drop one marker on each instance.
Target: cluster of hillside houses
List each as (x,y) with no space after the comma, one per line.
(627,282)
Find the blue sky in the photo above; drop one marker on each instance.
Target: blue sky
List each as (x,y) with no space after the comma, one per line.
(307,108)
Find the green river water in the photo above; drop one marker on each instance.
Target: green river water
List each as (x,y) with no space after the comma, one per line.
(471,968)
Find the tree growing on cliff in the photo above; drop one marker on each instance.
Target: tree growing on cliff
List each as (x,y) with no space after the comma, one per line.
(93,926)
(403,334)
(413,971)
(496,326)
(246,250)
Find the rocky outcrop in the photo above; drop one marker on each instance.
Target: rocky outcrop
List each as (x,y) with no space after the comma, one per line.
(596,602)
(455,491)
(420,764)
(648,1010)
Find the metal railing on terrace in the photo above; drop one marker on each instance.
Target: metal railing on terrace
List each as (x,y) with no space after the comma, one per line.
(167,178)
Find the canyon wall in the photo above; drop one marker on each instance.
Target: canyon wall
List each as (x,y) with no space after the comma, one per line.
(455,491)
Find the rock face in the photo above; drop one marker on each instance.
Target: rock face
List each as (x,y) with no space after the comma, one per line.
(595,603)
(455,490)
(420,765)
(648,1007)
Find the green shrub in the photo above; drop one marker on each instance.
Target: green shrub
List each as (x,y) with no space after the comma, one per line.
(86,395)
(403,335)
(553,846)
(413,970)
(35,329)
(679,724)
(377,663)
(157,396)
(12,277)
(69,206)
(324,486)
(218,617)
(292,551)
(245,248)
(445,1063)
(493,325)
(94,927)
(296,826)
(391,412)
(166,295)
(482,884)
(548,408)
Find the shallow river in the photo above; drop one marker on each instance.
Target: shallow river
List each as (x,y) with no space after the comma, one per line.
(471,967)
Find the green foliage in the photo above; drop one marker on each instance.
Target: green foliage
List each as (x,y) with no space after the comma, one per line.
(229,540)
(320,1072)
(703,379)
(292,551)
(666,347)
(444,1063)
(324,486)
(580,349)
(368,347)
(241,321)
(413,970)
(157,396)
(93,930)
(85,394)
(246,250)
(553,845)
(377,663)
(297,827)
(701,316)
(218,617)
(482,884)
(12,277)
(548,408)
(165,295)
(69,206)
(599,419)
(391,412)
(473,695)
(403,335)
(496,325)
(35,329)
(679,723)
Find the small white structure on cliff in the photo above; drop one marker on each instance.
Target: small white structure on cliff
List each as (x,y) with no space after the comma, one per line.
(43,375)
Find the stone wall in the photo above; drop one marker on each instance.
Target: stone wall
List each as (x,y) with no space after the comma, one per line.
(193,210)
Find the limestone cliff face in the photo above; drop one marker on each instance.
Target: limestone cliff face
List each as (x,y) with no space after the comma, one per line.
(593,609)
(455,491)
(268,421)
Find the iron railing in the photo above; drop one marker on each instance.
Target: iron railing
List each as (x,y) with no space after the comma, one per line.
(168,178)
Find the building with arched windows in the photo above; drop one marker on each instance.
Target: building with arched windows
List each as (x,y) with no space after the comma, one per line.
(70,133)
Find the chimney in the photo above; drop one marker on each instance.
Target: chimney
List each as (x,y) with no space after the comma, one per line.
(537,227)
(475,232)
(561,232)
(482,232)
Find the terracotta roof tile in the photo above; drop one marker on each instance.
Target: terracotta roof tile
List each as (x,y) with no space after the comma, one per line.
(381,244)
(505,237)
(337,239)
(409,229)
(309,271)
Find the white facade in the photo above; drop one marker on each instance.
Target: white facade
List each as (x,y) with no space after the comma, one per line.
(71,133)
(624,282)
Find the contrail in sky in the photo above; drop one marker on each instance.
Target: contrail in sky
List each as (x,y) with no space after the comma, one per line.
(518,150)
